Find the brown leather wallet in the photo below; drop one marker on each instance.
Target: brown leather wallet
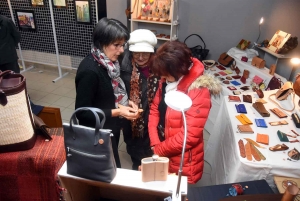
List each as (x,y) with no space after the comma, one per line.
(234,98)
(260,108)
(247,98)
(243,80)
(260,93)
(278,113)
(246,74)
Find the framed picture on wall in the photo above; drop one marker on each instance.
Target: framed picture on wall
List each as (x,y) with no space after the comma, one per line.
(37,2)
(83,11)
(26,20)
(59,3)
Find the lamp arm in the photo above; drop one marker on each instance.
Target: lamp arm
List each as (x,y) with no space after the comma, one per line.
(182,154)
(258,33)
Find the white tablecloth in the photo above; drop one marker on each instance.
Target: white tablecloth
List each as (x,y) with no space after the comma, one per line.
(222,151)
(216,101)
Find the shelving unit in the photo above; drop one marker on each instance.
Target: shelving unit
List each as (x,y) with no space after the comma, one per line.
(161,17)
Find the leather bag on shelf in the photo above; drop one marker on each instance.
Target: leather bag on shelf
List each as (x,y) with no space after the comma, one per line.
(225,59)
(283,93)
(198,51)
(88,150)
(258,62)
(16,124)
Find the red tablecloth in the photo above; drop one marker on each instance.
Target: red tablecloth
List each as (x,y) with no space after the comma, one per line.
(32,175)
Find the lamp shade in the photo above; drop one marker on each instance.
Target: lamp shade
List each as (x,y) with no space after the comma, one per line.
(295,61)
(178,101)
(261,21)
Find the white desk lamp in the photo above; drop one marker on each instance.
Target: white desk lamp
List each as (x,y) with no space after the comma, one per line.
(260,22)
(295,62)
(180,102)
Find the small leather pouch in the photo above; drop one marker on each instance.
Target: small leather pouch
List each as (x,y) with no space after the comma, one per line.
(260,108)
(236,77)
(278,123)
(282,136)
(258,62)
(228,71)
(155,170)
(240,108)
(41,128)
(216,74)
(262,138)
(234,98)
(245,59)
(225,60)
(243,80)
(226,82)
(278,113)
(237,70)
(294,154)
(235,83)
(223,73)
(284,91)
(257,80)
(260,93)
(228,78)
(245,129)
(243,119)
(296,120)
(232,88)
(261,123)
(247,98)
(221,67)
(246,74)
(245,88)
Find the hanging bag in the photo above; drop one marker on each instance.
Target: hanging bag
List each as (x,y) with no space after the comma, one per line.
(275,83)
(283,93)
(198,51)
(89,151)
(16,124)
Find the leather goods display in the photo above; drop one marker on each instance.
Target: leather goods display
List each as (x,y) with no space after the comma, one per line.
(283,93)
(246,74)
(41,128)
(243,119)
(221,67)
(228,71)
(275,83)
(16,127)
(223,73)
(279,147)
(296,85)
(243,80)
(228,78)
(262,138)
(255,153)
(247,98)
(245,129)
(235,83)
(89,151)
(282,136)
(257,80)
(278,113)
(260,93)
(155,168)
(198,51)
(240,108)
(245,59)
(278,123)
(248,151)
(258,62)
(260,108)
(261,123)
(294,154)
(237,70)
(254,143)
(232,88)
(242,149)
(234,98)
(236,77)
(296,120)
(245,88)
(236,92)
(226,82)
(225,59)
(243,44)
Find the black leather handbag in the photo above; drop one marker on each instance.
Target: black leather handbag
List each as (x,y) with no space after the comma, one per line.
(89,151)
(198,51)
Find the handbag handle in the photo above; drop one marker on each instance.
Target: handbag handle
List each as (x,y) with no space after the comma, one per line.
(280,106)
(99,125)
(198,37)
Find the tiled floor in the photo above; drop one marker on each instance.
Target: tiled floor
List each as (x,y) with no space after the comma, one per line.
(61,94)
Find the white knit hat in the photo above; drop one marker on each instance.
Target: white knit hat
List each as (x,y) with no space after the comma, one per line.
(142,40)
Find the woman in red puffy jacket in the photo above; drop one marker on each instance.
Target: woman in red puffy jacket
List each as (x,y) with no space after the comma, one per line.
(173,62)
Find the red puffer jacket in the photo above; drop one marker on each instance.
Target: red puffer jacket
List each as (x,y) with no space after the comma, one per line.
(195,86)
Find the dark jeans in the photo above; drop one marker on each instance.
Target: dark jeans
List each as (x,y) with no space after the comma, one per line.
(14,66)
(137,153)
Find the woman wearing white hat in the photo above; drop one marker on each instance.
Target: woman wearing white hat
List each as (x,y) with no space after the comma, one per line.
(141,86)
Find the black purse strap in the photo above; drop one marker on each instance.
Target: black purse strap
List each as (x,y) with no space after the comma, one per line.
(198,37)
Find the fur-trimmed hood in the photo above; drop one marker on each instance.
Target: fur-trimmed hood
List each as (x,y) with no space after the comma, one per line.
(209,81)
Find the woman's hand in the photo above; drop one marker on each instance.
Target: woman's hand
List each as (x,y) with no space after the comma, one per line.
(133,105)
(128,112)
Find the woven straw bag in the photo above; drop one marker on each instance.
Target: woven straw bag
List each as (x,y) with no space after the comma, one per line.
(16,125)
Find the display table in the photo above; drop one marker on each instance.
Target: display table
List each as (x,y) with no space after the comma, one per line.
(222,151)
(216,100)
(127,185)
(32,174)
(217,192)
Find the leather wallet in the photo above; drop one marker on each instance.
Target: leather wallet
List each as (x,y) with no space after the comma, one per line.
(242,149)
(236,77)
(228,71)
(257,79)
(262,138)
(260,93)
(221,67)
(222,73)
(278,113)
(282,136)
(216,74)
(243,80)
(41,128)
(261,123)
(260,108)
(246,74)
(226,82)
(237,70)
(228,78)
(236,92)
(245,88)
(232,88)
(243,119)
(245,129)
(234,98)
(247,98)
(240,108)
(235,83)
(278,123)
(296,120)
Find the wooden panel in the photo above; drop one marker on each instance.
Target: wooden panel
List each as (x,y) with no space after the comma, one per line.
(51,116)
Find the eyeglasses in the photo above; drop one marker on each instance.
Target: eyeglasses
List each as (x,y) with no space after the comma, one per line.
(118,46)
(142,54)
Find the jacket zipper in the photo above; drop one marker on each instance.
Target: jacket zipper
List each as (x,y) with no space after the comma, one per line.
(70,150)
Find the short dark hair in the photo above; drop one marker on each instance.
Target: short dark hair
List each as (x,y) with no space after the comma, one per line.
(107,31)
(172,58)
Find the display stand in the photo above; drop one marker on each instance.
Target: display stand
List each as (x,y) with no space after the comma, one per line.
(127,185)
(161,18)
